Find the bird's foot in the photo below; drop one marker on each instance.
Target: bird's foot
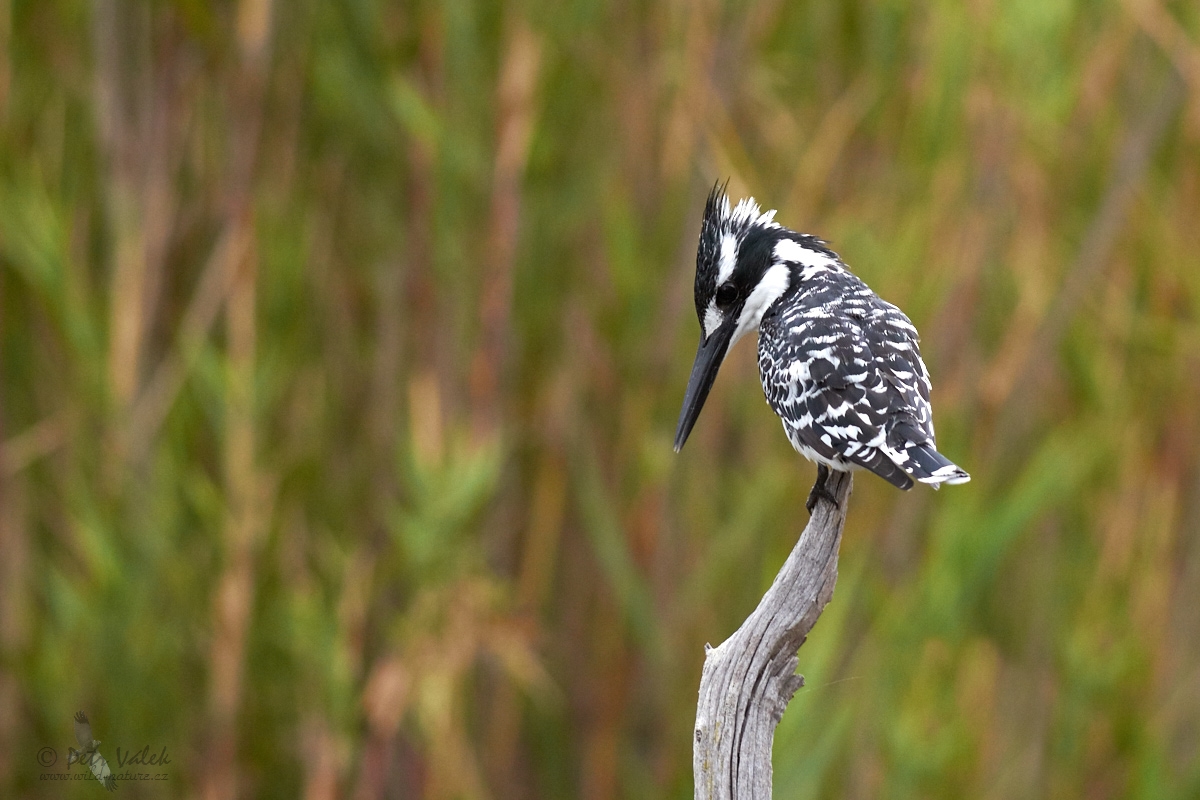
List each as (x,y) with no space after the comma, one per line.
(820,490)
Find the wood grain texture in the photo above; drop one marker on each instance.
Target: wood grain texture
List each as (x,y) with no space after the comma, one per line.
(750,678)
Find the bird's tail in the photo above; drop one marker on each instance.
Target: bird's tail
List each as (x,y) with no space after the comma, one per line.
(929,466)
(886,468)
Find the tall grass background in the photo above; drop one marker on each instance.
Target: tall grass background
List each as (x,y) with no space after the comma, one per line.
(341,345)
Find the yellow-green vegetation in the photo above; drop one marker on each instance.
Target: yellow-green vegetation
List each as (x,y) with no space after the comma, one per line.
(341,346)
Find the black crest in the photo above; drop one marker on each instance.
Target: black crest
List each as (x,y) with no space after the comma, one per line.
(721,221)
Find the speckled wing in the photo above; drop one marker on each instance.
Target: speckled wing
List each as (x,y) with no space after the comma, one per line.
(101,771)
(846,377)
(83,730)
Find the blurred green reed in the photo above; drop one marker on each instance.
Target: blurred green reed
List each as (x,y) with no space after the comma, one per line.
(342,345)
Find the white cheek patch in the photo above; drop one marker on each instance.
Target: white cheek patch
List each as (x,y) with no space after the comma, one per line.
(774,283)
(728,258)
(812,261)
(712,319)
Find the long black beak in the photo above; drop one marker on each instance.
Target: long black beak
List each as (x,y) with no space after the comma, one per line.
(709,356)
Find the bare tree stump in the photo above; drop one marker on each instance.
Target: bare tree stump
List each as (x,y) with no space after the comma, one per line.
(749,678)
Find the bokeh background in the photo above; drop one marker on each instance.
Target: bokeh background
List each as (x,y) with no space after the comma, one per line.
(342,345)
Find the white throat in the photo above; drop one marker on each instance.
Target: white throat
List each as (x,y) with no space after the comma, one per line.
(775,281)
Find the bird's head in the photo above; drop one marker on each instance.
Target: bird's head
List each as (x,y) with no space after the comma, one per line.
(745,263)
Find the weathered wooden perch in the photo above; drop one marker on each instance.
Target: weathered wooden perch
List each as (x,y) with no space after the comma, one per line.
(749,679)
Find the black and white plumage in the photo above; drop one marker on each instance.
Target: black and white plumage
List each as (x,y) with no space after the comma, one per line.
(89,754)
(839,365)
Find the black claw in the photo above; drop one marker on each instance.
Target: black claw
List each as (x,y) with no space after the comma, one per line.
(820,491)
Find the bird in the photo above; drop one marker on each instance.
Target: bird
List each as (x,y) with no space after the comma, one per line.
(840,366)
(89,754)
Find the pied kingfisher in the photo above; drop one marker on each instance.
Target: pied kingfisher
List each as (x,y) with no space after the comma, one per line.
(839,365)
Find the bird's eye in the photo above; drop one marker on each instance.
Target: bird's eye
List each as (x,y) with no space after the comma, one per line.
(726,294)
